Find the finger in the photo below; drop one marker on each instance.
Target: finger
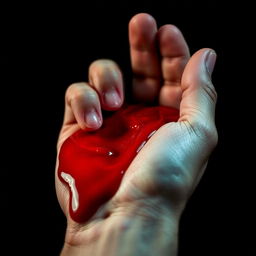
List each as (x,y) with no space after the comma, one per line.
(144,57)
(106,77)
(198,93)
(175,54)
(82,107)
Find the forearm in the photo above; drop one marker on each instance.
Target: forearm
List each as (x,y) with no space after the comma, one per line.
(140,234)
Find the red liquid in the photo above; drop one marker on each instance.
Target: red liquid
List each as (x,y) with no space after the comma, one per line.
(98,160)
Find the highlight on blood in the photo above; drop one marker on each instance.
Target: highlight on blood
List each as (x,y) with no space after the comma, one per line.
(92,164)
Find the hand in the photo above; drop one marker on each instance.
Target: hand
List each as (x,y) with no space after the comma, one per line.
(165,172)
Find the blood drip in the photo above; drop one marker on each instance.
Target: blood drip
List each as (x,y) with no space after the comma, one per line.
(92,164)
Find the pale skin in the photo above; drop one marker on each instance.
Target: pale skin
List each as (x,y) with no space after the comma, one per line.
(143,216)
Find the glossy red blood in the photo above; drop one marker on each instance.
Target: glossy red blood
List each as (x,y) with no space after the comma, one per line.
(93,163)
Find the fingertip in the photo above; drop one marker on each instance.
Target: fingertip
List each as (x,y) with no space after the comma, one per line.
(140,18)
(210,61)
(171,27)
(172,42)
(92,119)
(142,31)
(83,107)
(169,31)
(88,117)
(112,99)
(198,67)
(202,53)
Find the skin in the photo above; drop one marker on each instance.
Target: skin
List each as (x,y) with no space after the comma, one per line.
(143,216)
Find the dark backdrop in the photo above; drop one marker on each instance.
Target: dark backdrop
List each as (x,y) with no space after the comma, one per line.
(50,47)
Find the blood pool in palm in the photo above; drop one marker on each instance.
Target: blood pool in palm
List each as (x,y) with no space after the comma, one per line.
(92,164)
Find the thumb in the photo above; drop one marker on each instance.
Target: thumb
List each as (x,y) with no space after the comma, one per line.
(198,93)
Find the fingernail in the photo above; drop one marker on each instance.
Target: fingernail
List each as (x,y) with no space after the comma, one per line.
(112,99)
(210,61)
(92,119)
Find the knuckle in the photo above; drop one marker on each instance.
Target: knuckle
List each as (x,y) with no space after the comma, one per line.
(100,66)
(78,91)
(207,132)
(210,91)
(71,89)
(69,93)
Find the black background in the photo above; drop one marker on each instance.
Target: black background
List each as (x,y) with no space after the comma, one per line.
(49,47)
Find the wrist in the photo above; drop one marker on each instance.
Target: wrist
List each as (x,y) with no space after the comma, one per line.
(148,227)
